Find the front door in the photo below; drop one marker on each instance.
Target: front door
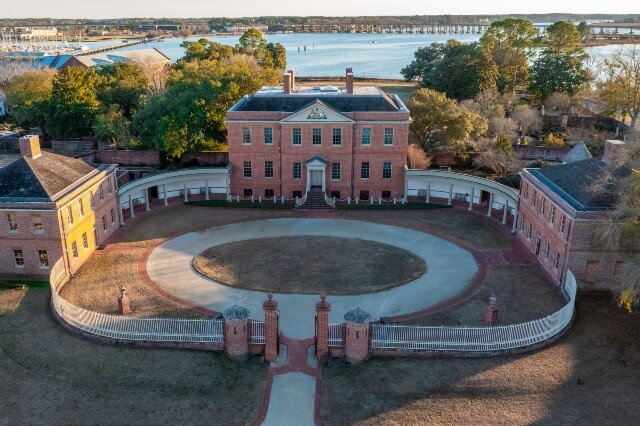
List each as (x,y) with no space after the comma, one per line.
(316,178)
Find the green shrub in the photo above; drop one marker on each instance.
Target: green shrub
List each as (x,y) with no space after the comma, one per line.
(270,205)
(365,205)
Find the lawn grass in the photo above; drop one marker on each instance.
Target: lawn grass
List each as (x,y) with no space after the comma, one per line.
(310,265)
(51,376)
(17,282)
(590,376)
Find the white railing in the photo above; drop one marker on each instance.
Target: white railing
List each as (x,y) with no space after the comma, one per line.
(336,335)
(257,332)
(330,200)
(476,339)
(131,328)
(301,201)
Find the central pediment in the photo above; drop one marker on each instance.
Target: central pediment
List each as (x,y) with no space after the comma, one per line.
(316,112)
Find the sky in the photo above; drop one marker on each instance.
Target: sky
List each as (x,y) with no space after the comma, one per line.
(226,8)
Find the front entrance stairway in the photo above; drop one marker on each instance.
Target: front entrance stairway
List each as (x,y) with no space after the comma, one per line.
(315,200)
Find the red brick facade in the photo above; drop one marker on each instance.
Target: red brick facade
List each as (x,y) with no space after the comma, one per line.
(356,342)
(258,137)
(236,338)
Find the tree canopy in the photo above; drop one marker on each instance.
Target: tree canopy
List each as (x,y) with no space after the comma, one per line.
(459,70)
(621,89)
(28,93)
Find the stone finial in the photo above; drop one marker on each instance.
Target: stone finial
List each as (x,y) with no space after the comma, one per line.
(323,305)
(236,312)
(270,303)
(491,313)
(357,316)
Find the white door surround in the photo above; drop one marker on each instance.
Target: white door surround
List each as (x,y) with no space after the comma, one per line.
(316,173)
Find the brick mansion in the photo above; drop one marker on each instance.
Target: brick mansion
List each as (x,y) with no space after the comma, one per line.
(294,141)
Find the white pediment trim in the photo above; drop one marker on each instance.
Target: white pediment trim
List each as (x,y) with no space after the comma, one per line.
(316,113)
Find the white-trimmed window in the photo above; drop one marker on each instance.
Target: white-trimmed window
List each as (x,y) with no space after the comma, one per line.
(113,216)
(297,170)
(101,193)
(246,136)
(533,200)
(543,206)
(18,258)
(364,170)
(337,137)
(529,231)
(296,136)
(268,169)
(563,223)
(85,241)
(538,244)
(386,170)
(316,136)
(388,136)
(547,251)
(104,224)
(556,262)
(246,169)
(552,216)
(366,136)
(13,221)
(526,191)
(43,257)
(37,223)
(335,171)
(70,214)
(74,249)
(268,135)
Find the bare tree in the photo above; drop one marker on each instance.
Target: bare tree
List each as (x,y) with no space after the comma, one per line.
(621,89)
(529,119)
(156,74)
(491,156)
(417,158)
(10,69)
(500,128)
(559,101)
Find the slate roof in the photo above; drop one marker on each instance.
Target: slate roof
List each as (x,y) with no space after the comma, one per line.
(573,183)
(578,153)
(42,177)
(340,103)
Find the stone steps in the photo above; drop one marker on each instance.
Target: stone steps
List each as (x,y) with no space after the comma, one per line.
(315,200)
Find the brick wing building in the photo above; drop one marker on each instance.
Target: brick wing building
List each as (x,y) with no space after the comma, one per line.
(560,216)
(342,141)
(52,206)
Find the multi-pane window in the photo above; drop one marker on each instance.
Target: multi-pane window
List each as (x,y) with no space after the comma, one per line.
(268,169)
(246,136)
(366,136)
(526,191)
(538,244)
(563,221)
(533,201)
(556,262)
(18,258)
(364,170)
(113,216)
(74,249)
(81,207)
(543,206)
(246,169)
(547,250)
(337,136)
(109,186)
(101,192)
(44,258)
(388,136)
(296,136)
(85,241)
(268,135)
(13,221)
(37,222)
(386,170)
(297,170)
(552,216)
(104,223)
(335,171)
(316,136)
(70,214)
(529,230)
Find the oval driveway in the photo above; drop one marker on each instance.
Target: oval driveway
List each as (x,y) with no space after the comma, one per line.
(451,270)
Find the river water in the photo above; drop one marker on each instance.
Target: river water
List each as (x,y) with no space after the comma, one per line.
(370,55)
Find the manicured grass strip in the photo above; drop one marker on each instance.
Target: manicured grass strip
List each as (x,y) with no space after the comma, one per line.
(399,206)
(270,205)
(19,283)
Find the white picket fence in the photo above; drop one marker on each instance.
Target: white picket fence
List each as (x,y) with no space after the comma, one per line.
(182,330)
(476,339)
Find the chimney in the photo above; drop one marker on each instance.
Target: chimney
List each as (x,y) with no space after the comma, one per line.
(349,81)
(293,78)
(286,84)
(30,146)
(612,149)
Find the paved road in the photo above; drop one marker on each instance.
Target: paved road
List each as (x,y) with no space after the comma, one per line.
(450,271)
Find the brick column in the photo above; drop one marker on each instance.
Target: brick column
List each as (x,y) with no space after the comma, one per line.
(270,307)
(322,327)
(236,332)
(356,340)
